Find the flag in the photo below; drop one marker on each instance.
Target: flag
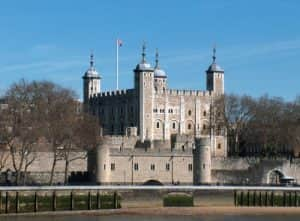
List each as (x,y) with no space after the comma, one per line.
(119,42)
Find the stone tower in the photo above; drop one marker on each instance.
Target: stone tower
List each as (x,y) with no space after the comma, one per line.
(91,82)
(143,84)
(215,77)
(202,161)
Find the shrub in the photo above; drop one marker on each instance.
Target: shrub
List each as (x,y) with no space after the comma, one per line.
(178,200)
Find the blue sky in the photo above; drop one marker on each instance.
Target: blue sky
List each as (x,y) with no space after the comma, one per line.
(258,42)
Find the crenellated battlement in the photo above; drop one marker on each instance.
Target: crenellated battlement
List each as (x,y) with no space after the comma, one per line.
(115,93)
(188,92)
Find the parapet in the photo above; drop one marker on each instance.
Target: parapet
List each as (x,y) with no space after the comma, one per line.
(189,92)
(113,94)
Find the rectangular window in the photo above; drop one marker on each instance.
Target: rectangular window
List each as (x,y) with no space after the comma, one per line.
(167,167)
(136,166)
(190,167)
(152,167)
(112,167)
(104,166)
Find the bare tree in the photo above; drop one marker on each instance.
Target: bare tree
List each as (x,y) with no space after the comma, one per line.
(21,130)
(234,113)
(4,155)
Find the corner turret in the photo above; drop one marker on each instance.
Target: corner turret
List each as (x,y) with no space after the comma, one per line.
(91,82)
(215,77)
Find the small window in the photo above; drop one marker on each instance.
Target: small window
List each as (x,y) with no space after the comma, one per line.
(157,124)
(167,167)
(219,146)
(189,126)
(112,167)
(152,167)
(136,166)
(203,166)
(182,147)
(204,113)
(204,127)
(104,167)
(174,125)
(190,167)
(190,112)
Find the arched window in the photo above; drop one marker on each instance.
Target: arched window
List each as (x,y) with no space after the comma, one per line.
(204,127)
(189,126)
(190,112)
(174,125)
(219,146)
(157,124)
(204,113)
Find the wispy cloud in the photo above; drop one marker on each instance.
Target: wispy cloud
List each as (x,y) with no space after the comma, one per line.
(42,66)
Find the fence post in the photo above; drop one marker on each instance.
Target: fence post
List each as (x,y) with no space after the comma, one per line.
(272,198)
(54,201)
(115,200)
(248,198)
(98,200)
(290,199)
(17,202)
(254,198)
(71,200)
(260,199)
(266,198)
(35,202)
(0,202)
(284,198)
(89,200)
(6,202)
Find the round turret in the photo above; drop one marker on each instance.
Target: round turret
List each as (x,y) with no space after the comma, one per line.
(102,164)
(202,161)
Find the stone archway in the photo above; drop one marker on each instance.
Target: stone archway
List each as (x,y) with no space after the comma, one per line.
(274,177)
(153,183)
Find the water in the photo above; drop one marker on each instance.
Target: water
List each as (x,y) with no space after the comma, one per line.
(154,218)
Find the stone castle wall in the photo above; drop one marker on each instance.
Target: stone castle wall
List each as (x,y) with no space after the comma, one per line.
(39,171)
(224,170)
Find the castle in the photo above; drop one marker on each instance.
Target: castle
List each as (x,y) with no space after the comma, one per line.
(153,133)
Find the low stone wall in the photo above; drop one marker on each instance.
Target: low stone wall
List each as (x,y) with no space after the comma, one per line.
(39,171)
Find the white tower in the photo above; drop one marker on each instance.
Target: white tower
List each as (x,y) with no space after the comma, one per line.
(91,82)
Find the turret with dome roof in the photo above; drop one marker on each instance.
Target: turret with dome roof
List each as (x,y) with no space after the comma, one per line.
(215,76)
(91,81)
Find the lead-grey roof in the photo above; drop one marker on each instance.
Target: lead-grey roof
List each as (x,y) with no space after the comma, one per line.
(214,67)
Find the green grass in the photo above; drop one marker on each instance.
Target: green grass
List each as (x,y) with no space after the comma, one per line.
(178,200)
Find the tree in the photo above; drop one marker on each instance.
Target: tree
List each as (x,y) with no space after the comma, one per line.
(20,128)
(235,113)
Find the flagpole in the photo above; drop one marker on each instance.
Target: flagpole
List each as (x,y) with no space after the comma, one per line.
(117,44)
